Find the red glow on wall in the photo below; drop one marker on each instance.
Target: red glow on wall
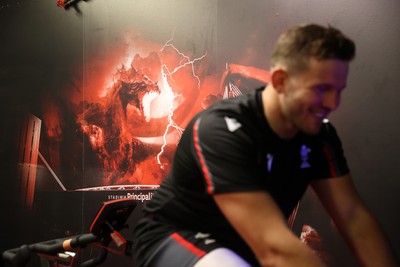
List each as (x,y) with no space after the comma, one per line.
(131,110)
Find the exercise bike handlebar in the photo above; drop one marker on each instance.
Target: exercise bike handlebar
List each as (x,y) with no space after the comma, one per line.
(20,256)
(110,218)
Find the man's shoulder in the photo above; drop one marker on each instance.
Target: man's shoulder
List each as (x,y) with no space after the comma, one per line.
(243,108)
(328,130)
(327,136)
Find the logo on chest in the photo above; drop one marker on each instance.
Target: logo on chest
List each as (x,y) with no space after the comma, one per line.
(270,158)
(304,151)
(304,156)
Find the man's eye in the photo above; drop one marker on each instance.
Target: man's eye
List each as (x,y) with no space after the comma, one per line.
(321,88)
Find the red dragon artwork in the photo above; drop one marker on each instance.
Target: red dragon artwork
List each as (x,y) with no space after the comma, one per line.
(131,126)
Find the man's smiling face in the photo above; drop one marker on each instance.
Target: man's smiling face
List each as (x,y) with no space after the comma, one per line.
(309,96)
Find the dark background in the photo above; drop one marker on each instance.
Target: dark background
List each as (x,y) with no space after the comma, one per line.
(48,51)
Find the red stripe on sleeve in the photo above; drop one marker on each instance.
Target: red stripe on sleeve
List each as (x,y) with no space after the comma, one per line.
(330,157)
(189,246)
(201,158)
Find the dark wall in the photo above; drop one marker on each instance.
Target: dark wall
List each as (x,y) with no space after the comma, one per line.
(50,53)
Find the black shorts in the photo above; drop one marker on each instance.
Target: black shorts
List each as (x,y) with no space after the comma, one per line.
(158,244)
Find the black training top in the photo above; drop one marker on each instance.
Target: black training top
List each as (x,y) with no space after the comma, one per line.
(231,148)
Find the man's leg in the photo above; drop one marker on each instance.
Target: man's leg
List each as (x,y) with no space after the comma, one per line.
(218,256)
(188,249)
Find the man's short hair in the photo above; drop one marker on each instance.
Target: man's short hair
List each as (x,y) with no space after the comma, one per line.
(299,44)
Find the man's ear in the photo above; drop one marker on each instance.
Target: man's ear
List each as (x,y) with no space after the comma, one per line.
(278,79)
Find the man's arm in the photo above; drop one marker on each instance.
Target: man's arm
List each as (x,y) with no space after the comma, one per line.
(257,218)
(355,223)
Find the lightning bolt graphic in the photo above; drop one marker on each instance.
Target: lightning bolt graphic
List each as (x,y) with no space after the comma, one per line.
(186,61)
(171,123)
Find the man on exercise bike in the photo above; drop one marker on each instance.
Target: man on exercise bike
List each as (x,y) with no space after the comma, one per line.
(243,164)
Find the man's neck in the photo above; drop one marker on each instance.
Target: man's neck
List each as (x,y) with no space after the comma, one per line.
(274,115)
